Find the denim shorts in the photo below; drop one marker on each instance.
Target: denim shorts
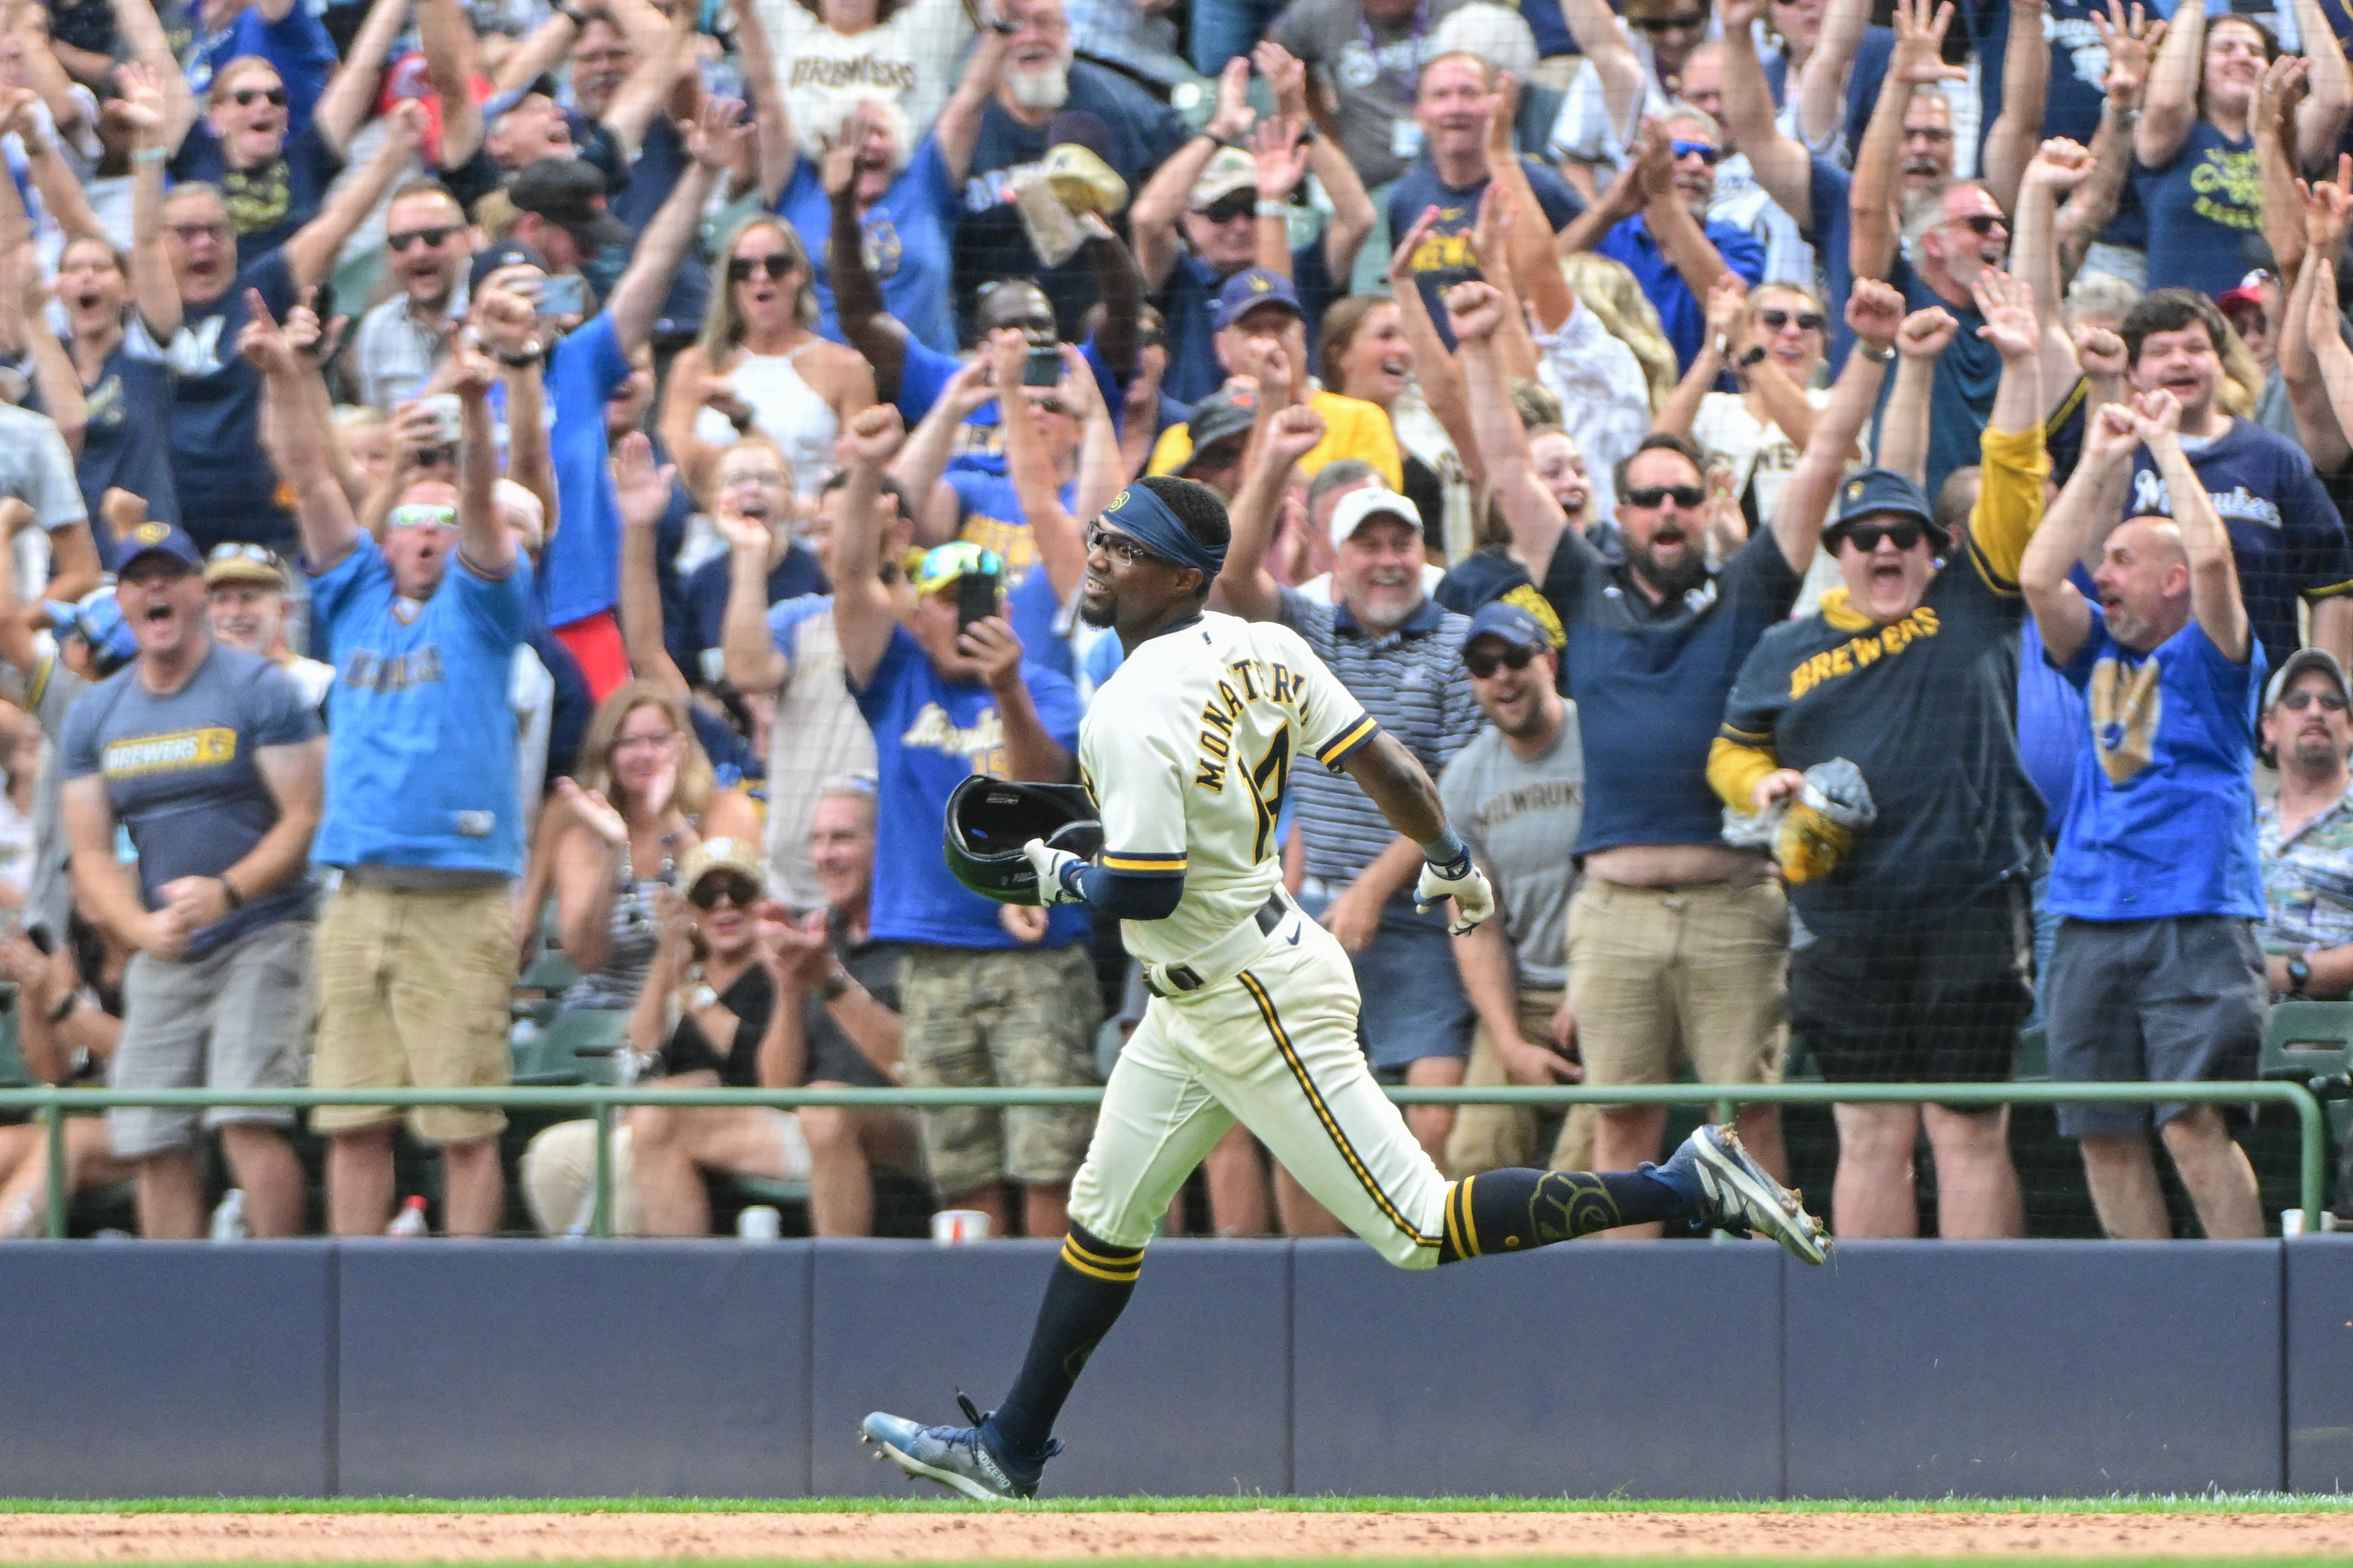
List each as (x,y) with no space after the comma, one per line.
(1410,999)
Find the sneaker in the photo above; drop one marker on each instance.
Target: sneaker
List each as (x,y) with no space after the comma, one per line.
(1738,1196)
(966,1458)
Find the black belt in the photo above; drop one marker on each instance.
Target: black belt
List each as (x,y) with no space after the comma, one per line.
(1185,977)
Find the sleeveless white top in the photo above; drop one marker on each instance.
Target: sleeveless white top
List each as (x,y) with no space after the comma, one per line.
(786,409)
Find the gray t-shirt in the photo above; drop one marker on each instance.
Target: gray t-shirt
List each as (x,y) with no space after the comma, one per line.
(181,774)
(1373,67)
(1520,816)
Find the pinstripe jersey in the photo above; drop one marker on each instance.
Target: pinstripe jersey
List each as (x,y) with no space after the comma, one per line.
(1413,682)
(1187,749)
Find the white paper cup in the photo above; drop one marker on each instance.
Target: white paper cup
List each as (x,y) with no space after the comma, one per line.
(953,1227)
(759,1223)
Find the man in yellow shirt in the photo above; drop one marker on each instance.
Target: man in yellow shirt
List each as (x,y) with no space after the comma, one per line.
(1261,333)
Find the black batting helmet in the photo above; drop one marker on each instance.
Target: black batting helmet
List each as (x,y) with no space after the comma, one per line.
(988,821)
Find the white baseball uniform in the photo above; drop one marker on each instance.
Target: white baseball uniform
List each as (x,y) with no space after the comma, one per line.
(1254,1017)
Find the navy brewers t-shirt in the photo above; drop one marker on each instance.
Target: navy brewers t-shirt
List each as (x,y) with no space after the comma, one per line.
(704,597)
(182,775)
(129,403)
(2203,207)
(930,735)
(1443,258)
(1650,681)
(267,204)
(225,486)
(2287,538)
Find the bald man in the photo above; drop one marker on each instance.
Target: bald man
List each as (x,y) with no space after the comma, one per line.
(2155,973)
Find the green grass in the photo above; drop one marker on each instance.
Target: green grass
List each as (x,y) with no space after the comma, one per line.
(2206,1503)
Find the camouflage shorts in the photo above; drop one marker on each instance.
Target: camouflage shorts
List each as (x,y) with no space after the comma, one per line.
(1017,1019)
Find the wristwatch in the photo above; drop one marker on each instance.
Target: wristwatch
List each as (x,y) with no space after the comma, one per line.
(1876,356)
(2299,974)
(1753,356)
(835,984)
(523,359)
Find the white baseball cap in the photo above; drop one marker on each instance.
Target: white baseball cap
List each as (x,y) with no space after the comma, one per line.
(1373,499)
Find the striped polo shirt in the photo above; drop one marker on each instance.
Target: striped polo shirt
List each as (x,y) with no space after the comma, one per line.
(1412,681)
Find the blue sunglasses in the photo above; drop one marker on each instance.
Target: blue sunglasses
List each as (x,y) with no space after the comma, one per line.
(1687,149)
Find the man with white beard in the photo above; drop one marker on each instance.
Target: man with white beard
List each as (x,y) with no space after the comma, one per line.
(1044,98)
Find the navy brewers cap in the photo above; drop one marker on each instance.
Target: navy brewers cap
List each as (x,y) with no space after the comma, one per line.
(1502,618)
(505,253)
(1870,491)
(158,538)
(1246,291)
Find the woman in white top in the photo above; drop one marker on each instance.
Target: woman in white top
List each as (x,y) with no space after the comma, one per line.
(1771,342)
(760,365)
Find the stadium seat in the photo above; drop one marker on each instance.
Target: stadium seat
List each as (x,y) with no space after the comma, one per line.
(14,1073)
(552,1053)
(2311,1043)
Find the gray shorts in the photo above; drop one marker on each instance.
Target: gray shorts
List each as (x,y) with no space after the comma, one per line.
(2164,1001)
(235,1018)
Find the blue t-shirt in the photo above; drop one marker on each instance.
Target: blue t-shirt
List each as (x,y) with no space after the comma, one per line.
(990,242)
(130,400)
(991,517)
(1444,257)
(182,774)
(298,43)
(266,206)
(2203,207)
(1681,313)
(910,231)
(663,162)
(421,740)
(2287,539)
(225,486)
(1967,374)
(582,565)
(2162,819)
(1651,682)
(930,735)
(2050,722)
(704,600)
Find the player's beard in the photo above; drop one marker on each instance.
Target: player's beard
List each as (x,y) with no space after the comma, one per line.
(1103,616)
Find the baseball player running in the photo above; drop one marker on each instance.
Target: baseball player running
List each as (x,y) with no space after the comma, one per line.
(1254,1017)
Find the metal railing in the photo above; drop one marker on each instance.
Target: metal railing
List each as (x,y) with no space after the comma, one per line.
(50,1106)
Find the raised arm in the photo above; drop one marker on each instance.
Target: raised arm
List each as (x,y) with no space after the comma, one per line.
(1918,62)
(509,330)
(753,664)
(136,21)
(1903,431)
(1534,266)
(311,254)
(2170,106)
(1032,467)
(957,131)
(2285,82)
(1121,287)
(2073,527)
(2214,598)
(1875,313)
(924,456)
(153,288)
(2057,166)
(715,140)
(1103,470)
(1821,87)
(1284,437)
(448,40)
(1538,526)
(1727,309)
(776,147)
(1435,367)
(1602,39)
(2325,420)
(296,441)
(1152,216)
(24,318)
(867,324)
(650,84)
(486,546)
(343,107)
(863,614)
(1281,160)
(643,490)
(2025,93)
(2320,122)
(2131,42)
(1353,216)
(1782,164)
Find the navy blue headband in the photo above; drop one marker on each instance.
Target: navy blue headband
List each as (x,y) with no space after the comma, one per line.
(1136,511)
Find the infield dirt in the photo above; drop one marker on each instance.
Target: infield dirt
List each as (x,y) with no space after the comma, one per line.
(1016,1537)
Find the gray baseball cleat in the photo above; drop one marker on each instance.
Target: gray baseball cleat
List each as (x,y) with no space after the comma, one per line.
(962,1458)
(1737,1194)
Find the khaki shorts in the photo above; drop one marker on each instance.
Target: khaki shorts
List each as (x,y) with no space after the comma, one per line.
(413,992)
(1496,1137)
(1023,1018)
(1697,973)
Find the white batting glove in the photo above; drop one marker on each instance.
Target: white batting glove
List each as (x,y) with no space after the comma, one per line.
(1474,900)
(1057,871)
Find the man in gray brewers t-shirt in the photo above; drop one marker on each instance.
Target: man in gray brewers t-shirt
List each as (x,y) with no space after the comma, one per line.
(1516,793)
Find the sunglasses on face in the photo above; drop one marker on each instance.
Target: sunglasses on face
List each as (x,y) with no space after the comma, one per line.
(1979,224)
(740,268)
(1903,534)
(1649,496)
(435,236)
(1481,664)
(1700,149)
(741,891)
(420,515)
(1688,22)
(1119,546)
(243,97)
(1775,320)
(2298,701)
(1232,207)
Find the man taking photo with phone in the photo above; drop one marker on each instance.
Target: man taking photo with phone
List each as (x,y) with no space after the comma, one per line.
(993,996)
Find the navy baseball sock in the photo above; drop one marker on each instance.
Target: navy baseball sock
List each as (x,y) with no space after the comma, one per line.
(1511,1210)
(1091,1282)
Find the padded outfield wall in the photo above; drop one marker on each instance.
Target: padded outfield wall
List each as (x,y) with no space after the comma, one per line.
(717,1369)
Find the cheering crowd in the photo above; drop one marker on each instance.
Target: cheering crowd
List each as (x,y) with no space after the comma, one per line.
(1849,500)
